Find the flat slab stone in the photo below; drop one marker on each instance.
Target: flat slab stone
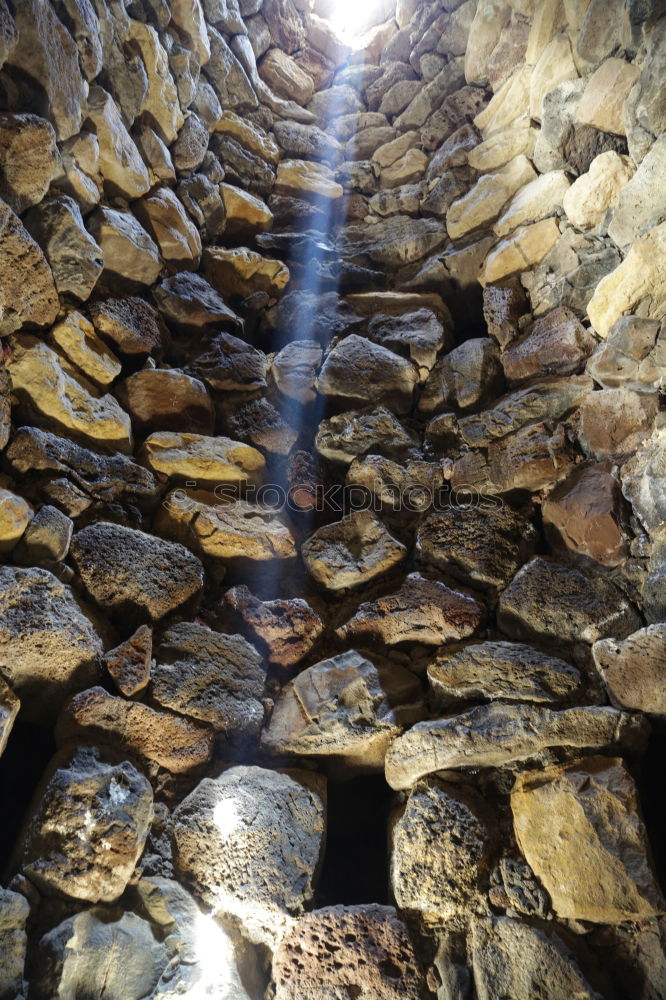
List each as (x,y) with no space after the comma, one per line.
(489,671)
(580,829)
(422,610)
(232,532)
(496,734)
(549,601)
(158,738)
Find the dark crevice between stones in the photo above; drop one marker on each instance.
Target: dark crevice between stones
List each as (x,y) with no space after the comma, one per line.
(355,868)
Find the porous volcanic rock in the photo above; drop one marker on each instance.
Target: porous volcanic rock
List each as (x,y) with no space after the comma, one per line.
(249,844)
(48,646)
(215,678)
(133,574)
(364,951)
(87,825)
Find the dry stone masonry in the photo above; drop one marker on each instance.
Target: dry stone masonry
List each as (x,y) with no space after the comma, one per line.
(332,499)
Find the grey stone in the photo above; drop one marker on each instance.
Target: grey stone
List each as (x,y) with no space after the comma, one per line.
(135,575)
(102,954)
(46,539)
(87,825)
(14,913)
(500,733)
(249,844)
(370,431)
(215,678)
(75,258)
(73,477)
(350,553)
(48,646)
(633,355)
(515,959)
(546,600)
(394,242)
(464,378)
(361,372)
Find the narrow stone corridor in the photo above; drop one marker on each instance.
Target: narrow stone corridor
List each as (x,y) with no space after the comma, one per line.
(332,505)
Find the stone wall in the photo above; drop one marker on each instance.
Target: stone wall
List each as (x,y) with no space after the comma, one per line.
(332,459)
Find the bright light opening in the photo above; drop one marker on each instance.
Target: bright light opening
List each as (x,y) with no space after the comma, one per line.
(226,817)
(351,19)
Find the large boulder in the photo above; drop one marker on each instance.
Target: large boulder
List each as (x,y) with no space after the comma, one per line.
(48,645)
(87,825)
(132,574)
(249,844)
(580,829)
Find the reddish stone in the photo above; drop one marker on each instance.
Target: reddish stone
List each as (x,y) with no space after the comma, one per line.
(357,951)
(129,663)
(585,513)
(557,344)
(287,629)
(154,738)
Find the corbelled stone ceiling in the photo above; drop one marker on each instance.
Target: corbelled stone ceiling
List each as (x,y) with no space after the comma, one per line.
(332,499)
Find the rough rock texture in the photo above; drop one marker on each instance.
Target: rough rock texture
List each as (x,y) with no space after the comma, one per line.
(440,848)
(577,609)
(360,950)
(633,669)
(494,670)
(133,574)
(331,376)
(524,962)
(249,843)
(491,735)
(214,678)
(344,709)
(87,826)
(603,875)
(48,646)
(351,552)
